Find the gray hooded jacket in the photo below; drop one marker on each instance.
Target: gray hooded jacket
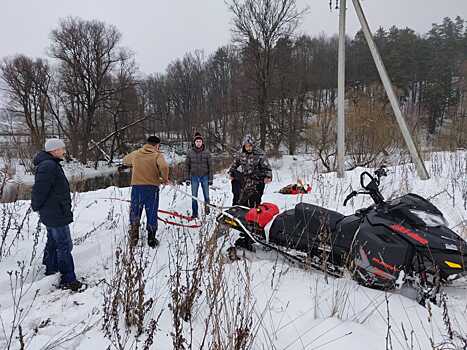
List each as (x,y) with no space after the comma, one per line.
(253,166)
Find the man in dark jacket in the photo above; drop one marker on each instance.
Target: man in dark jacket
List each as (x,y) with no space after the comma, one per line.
(252,171)
(51,197)
(198,167)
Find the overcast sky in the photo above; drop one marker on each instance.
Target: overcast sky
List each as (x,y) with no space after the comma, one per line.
(159,31)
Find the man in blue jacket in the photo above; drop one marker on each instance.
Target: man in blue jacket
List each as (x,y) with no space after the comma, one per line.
(51,198)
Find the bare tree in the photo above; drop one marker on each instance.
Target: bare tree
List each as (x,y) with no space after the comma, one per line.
(222,70)
(258,25)
(156,102)
(121,111)
(186,81)
(88,55)
(26,84)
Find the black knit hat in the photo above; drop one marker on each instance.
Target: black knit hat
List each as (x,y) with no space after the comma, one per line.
(198,137)
(153,140)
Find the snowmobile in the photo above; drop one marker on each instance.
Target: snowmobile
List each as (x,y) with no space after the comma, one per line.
(384,246)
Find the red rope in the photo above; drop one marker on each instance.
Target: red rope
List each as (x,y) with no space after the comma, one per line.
(171,213)
(176,214)
(179,224)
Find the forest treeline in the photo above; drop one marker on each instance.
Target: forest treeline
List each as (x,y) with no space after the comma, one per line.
(270,81)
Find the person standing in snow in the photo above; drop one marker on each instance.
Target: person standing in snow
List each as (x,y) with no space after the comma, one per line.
(198,166)
(252,166)
(236,181)
(149,171)
(51,198)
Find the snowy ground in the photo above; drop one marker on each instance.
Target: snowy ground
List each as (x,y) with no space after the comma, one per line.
(290,308)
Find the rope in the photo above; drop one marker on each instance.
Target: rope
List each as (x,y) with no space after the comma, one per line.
(173,223)
(171,213)
(178,215)
(215,207)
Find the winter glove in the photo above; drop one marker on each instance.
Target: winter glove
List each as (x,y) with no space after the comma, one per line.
(122,167)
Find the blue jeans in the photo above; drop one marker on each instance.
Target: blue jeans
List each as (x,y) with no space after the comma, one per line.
(147,197)
(195,182)
(57,253)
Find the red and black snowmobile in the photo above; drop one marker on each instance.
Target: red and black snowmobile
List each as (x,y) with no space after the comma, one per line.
(383,246)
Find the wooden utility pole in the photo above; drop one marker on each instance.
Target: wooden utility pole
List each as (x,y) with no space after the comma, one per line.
(421,170)
(341,93)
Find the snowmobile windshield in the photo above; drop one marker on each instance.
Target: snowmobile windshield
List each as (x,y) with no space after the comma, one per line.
(430,219)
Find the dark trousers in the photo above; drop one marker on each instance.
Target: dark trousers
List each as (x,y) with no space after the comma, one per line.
(236,191)
(250,196)
(196,181)
(57,254)
(144,197)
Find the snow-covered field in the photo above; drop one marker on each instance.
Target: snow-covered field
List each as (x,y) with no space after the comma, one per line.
(283,306)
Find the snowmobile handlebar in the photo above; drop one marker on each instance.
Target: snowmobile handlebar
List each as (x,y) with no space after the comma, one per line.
(372,188)
(354,194)
(362,179)
(374,181)
(349,197)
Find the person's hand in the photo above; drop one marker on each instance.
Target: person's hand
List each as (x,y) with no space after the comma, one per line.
(122,167)
(231,177)
(267,180)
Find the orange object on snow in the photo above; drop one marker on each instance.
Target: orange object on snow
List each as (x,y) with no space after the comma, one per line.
(295,189)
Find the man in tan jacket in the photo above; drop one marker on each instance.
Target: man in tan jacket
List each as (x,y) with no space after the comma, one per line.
(149,171)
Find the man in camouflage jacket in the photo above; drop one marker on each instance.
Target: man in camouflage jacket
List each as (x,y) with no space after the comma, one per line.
(252,169)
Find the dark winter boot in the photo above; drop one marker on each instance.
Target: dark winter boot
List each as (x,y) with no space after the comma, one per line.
(245,242)
(133,235)
(75,286)
(153,242)
(232,254)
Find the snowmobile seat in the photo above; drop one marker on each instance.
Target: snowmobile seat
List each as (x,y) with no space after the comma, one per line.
(301,228)
(317,219)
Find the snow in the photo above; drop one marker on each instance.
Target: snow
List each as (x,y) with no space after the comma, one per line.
(292,308)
